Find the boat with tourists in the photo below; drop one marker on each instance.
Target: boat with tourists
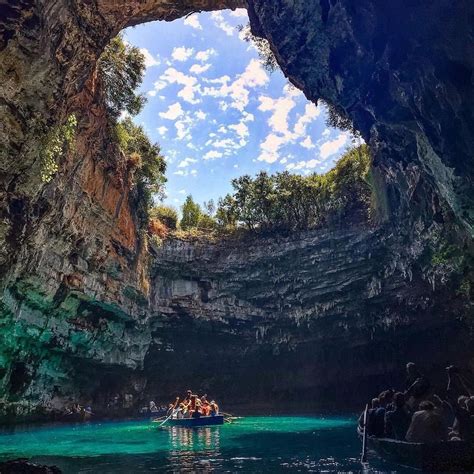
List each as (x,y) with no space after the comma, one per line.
(418,429)
(192,411)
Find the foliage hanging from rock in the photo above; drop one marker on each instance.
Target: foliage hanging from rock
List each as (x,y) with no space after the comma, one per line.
(121,69)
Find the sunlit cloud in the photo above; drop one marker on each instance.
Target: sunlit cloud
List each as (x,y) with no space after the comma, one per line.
(199,68)
(186,162)
(212,155)
(331,147)
(222,24)
(193,22)
(174,111)
(182,53)
(205,55)
(150,60)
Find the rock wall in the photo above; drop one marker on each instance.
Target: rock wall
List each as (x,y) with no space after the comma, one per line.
(90,313)
(403,71)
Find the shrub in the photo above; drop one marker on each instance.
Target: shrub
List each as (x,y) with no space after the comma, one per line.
(58,140)
(157,228)
(165,214)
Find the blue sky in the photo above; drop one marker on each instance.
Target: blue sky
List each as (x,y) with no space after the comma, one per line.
(217,114)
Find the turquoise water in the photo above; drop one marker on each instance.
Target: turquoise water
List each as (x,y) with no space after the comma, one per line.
(252,444)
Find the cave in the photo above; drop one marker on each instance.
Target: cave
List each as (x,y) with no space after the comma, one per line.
(351,304)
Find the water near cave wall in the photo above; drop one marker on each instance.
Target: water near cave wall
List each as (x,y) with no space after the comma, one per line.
(89,309)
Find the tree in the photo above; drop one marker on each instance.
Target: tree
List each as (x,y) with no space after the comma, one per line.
(121,70)
(226,214)
(146,159)
(285,202)
(191,214)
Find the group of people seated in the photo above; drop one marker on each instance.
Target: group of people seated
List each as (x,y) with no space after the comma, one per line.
(192,406)
(418,415)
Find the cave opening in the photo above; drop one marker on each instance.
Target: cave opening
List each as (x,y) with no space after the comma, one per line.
(220,107)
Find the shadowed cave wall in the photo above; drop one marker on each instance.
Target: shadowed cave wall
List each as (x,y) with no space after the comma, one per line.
(90,310)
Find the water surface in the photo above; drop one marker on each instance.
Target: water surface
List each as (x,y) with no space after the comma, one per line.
(251,444)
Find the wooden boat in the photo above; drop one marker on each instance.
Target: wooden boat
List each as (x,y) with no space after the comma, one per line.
(196,422)
(442,456)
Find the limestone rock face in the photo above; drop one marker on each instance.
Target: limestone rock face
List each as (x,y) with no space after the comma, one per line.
(286,319)
(91,313)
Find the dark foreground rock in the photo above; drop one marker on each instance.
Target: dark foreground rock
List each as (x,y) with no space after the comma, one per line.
(23,466)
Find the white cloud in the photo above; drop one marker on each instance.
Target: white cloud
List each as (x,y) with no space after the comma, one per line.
(199,69)
(182,53)
(308,143)
(185,172)
(240,129)
(326,132)
(310,113)
(162,130)
(331,147)
(281,108)
(205,55)
(212,155)
(190,83)
(220,22)
(238,91)
(193,22)
(200,115)
(270,148)
(150,61)
(304,165)
(186,162)
(151,93)
(159,85)
(174,111)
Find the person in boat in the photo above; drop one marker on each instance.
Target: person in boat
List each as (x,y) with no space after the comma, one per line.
(172,407)
(197,408)
(376,419)
(397,421)
(214,408)
(386,399)
(206,408)
(417,385)
(427,426)
(181,411)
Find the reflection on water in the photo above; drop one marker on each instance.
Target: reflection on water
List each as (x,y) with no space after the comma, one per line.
(186,444)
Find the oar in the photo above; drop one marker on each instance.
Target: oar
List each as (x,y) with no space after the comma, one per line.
(363,458)
(161,424)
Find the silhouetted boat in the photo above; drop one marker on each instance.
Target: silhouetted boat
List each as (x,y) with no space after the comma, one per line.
(195,422)
(442,456)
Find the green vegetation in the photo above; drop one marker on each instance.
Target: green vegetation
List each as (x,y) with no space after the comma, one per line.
(166,214)
(147,161)
(58,141)
(286,202)
(191,214)
(121,69)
